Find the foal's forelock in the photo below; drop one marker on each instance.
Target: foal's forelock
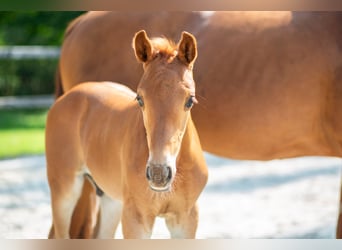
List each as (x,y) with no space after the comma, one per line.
(164,47)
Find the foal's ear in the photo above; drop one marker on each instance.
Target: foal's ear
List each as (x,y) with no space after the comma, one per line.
(142,46)
(187,48)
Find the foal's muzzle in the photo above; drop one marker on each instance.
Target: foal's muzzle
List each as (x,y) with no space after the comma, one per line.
(159,177)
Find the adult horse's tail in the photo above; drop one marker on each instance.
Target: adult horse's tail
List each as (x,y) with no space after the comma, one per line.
(58,83)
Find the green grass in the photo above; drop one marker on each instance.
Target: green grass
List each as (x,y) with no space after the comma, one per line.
(22,132)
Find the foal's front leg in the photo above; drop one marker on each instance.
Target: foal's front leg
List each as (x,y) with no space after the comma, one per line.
(184,224)
(136,224)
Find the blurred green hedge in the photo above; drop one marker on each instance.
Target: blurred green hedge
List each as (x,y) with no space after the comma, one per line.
(27,76)
(44,28)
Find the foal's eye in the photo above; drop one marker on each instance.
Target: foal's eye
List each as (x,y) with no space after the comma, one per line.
(140,100)
(190,102)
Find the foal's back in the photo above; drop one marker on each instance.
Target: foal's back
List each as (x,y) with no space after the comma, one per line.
(91,118)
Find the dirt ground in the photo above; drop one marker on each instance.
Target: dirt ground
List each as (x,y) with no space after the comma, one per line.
(294,198)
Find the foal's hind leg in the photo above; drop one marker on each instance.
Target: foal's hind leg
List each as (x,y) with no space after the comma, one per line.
(110,215)
(64,196)
(183,225)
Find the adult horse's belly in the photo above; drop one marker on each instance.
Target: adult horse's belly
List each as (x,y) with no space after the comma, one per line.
(260,144)
(266,123)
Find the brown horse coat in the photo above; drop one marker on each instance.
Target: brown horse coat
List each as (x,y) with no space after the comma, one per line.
(269,83)
(271,73)
(99,129)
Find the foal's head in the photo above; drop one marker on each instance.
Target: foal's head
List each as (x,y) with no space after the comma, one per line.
(166,93)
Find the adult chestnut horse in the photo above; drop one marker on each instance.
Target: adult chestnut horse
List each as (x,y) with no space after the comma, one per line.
(269,83)
(147,159)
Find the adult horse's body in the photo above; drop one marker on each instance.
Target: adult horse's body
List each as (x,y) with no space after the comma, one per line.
(148,159)
(269,84)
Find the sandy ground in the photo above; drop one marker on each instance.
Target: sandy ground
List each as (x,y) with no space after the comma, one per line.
(294,198)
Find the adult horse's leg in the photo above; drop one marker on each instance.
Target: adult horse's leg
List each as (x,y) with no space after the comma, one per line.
(64,196)
(183,225)
(110,215)
(84,217)
(339,221)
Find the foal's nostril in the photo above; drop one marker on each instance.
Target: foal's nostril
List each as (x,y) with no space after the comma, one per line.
(169,174)
(158,175)
(148,173)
